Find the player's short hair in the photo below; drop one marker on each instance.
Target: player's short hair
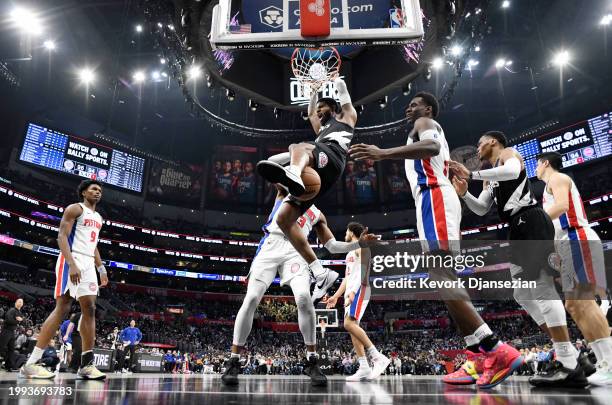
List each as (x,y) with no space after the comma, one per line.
(431,101)
(84,185)
(498,136)
(332,103)
(356,228)
(553,158)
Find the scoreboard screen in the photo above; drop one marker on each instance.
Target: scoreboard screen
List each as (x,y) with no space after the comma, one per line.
(68,154)
(579,143)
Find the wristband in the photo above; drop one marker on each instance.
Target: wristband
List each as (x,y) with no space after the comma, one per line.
(102,270)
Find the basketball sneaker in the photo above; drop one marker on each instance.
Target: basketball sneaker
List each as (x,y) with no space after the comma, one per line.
(232,369)
(362,374)
(317,378)
(323,282)
(35,371)
(90,373)
(499,364)
(379,365)
(603,375)
(469,372)
(277,174)
(559,376)
(586,365)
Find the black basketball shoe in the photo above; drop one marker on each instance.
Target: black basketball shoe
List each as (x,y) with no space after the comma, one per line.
(585,363)
(232,369)
(317,378)
(560,377)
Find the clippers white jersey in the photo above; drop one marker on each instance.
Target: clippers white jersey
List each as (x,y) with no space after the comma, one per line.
(83,238)
(432,171)
(575,217)
(306,222)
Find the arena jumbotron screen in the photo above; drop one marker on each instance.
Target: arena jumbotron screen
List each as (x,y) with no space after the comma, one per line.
(69,154)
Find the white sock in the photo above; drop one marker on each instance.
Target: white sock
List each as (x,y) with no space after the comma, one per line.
(482,332)
(576,351)
(317,269)
(471,340)
(597,351)
(604,345)
(237,355)
(35,356)
(308,354)
(372,352)
(363,363)
(565,354)
(295,170)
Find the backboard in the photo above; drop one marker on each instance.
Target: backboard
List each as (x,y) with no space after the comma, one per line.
(268,24)
(329,315)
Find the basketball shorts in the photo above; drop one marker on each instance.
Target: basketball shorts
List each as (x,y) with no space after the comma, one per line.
(89,279)
(329,163)
(582,258)
(357,308)
(276,255)
(531,224)
(438,213)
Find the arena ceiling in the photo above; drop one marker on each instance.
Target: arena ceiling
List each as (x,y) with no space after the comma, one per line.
(154,115)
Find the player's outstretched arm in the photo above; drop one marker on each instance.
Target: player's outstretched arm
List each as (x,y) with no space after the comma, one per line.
(560,185)
(427,146)
(328,240)
(349,114)
(312,112)
(509,169)
(479,206)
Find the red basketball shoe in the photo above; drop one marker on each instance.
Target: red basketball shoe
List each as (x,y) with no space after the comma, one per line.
(469,372)
(500,363)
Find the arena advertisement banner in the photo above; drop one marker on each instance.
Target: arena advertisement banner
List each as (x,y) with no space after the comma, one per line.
(175,184)
(103,359)
(148,363)
(232,177)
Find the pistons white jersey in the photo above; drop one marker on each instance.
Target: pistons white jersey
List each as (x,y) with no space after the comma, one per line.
(429,172)
(306,222)
(575,216)
(83,237)
(353,273)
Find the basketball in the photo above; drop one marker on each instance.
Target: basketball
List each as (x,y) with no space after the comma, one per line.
(312,183)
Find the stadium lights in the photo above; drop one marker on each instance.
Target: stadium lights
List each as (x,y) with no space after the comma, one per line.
(505,4)
(477,49)
(253,105)
(471,63)
(139,28)
(382,102)
(164,74)
(49,45)
(155,75)
(231,96)
(86,75)
(561,59)
(606,19)
(500,63)
(194,72)
(139,76)
(437,63)
(456,50)
(162,61)
(26,20)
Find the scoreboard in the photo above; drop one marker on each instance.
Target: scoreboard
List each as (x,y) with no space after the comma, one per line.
(69,154)
(579,143)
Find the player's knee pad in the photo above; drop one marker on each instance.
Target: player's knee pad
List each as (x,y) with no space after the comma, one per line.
(523,297)
(553,312)
(304,303)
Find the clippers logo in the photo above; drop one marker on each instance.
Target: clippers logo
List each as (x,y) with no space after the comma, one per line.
(93,286)
(317,7)
(271,16)
(323,160)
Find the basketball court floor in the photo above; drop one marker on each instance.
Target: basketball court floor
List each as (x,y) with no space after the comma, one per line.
(267,390)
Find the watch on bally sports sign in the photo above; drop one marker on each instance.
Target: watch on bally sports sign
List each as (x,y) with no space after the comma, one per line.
(578,143)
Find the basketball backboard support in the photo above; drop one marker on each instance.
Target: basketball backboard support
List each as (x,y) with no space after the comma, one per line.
(269,24)
(329,315)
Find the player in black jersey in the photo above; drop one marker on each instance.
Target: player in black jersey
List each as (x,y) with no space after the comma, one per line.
(507,184)
(334,124)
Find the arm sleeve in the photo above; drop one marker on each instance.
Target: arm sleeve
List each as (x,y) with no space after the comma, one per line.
(430,134)
(343,94)
(510,170)
(481,205)
(333,246)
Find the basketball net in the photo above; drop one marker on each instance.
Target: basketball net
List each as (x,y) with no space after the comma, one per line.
(312,67)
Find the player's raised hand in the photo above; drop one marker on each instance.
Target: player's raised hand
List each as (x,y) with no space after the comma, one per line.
(366,238)
(75,274)
(361,151)
(458,169)
(331,302)
(460,185)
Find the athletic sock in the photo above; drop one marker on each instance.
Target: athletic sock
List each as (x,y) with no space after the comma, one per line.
(87,358)
(363,363)
(317,269)
(372,352)
(597,351)
(472,343)
(295,170)
(488,341)
(604,346)
(565,354)
(35,356)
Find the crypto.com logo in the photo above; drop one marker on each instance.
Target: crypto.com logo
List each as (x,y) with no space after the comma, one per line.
(271,16)
(317,7)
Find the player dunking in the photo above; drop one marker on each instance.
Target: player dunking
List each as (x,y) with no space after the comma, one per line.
(438,211)
(334,125)
(356,289)
(275,254)
(507,184)
(582,268)
(75,274)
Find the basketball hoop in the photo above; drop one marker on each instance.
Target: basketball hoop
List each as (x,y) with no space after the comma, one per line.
(315,66)
(323,326)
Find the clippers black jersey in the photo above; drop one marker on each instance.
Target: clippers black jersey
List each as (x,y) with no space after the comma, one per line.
(336,131)
(511,196)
